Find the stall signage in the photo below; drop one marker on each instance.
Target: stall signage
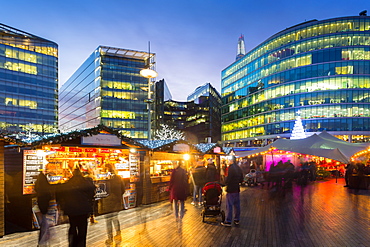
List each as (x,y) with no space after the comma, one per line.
(58,149)
(101,140)
(181,147)
(75,150)
(32,163)
(105,150)
(90,150)
(134,167)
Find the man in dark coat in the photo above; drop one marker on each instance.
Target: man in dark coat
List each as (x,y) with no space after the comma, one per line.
(77,196)
(211,172)
(178,190)
(199,179)
(44,195)
(113,204)
(233,180)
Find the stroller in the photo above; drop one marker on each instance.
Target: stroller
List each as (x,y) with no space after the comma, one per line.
(212,194)
(251,178)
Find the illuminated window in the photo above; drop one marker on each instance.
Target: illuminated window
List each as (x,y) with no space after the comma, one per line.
(344,70)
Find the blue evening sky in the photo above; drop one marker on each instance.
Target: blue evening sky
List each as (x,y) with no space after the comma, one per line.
(194,40)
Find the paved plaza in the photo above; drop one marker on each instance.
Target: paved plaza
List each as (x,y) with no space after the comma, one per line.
(323,213)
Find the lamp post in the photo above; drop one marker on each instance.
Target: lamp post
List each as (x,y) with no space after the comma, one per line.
(149,73)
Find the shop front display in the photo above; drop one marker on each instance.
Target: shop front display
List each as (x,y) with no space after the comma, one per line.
(160,162)
(98,156)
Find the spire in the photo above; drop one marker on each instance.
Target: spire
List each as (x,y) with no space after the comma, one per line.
(241,47)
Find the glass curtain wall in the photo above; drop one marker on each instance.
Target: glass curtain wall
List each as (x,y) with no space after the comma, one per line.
(107,89)
(321,68)
(28,82)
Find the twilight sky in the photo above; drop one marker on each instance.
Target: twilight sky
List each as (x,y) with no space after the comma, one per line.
(194,40)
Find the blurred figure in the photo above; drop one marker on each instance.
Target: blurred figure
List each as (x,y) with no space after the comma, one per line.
(233,180)
(199,179)
(114,204)
(211,171)
(77,196)
(348,174)
(44,195)
(178,190)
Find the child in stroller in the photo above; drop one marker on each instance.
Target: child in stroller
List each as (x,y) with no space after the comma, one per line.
(212,195)
(251,178)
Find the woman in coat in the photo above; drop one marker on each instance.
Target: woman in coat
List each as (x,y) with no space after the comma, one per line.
(179,190)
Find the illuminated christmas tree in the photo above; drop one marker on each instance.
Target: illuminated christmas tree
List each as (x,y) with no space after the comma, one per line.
(166,132)
(298,130)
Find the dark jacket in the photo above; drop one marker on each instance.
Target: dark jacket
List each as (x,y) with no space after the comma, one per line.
(77,195)
(178,184)
(211,173)
(199,175)
(234,178)
(43,192)
(116,188)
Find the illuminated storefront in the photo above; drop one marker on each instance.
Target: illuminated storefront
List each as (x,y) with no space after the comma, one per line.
(28,82)
(97,153)
(320,68)
(107,89)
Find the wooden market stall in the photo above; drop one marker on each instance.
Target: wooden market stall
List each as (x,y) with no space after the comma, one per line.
(163,156)
(97,152)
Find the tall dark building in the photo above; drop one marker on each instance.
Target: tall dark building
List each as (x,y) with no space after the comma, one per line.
(162,94)
(199,117)
(28,82)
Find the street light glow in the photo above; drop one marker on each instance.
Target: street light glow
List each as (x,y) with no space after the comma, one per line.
(148,73)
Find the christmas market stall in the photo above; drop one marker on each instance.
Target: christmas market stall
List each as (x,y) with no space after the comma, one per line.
(163,156)
(98,153)
(326,153)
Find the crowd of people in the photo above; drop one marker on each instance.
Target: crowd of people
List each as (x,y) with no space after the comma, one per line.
(76,196)
(76,199)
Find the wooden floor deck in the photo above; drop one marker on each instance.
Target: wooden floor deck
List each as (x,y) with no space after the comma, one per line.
(323,213)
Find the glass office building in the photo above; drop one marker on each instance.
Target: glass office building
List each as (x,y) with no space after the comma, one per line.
(199,117)
(318,68)
(108,89)
(29,82)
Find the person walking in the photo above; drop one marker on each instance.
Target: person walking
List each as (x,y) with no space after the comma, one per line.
(178,190)
(199,179)
(77,197)
(113,204)
(211,171)
(44,195)
(233,180)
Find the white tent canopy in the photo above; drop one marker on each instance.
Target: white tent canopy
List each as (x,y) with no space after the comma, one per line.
(322,145)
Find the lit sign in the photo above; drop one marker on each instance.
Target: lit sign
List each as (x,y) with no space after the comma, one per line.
(101,140)
(181,147)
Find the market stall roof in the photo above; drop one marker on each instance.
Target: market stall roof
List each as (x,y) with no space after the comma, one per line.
(212,148)
(170,145)
(76,135)
(322,145)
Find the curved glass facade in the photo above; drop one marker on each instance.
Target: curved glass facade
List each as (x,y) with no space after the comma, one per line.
(321,68)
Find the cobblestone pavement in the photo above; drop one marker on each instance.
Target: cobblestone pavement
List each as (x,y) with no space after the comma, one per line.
(323,213)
